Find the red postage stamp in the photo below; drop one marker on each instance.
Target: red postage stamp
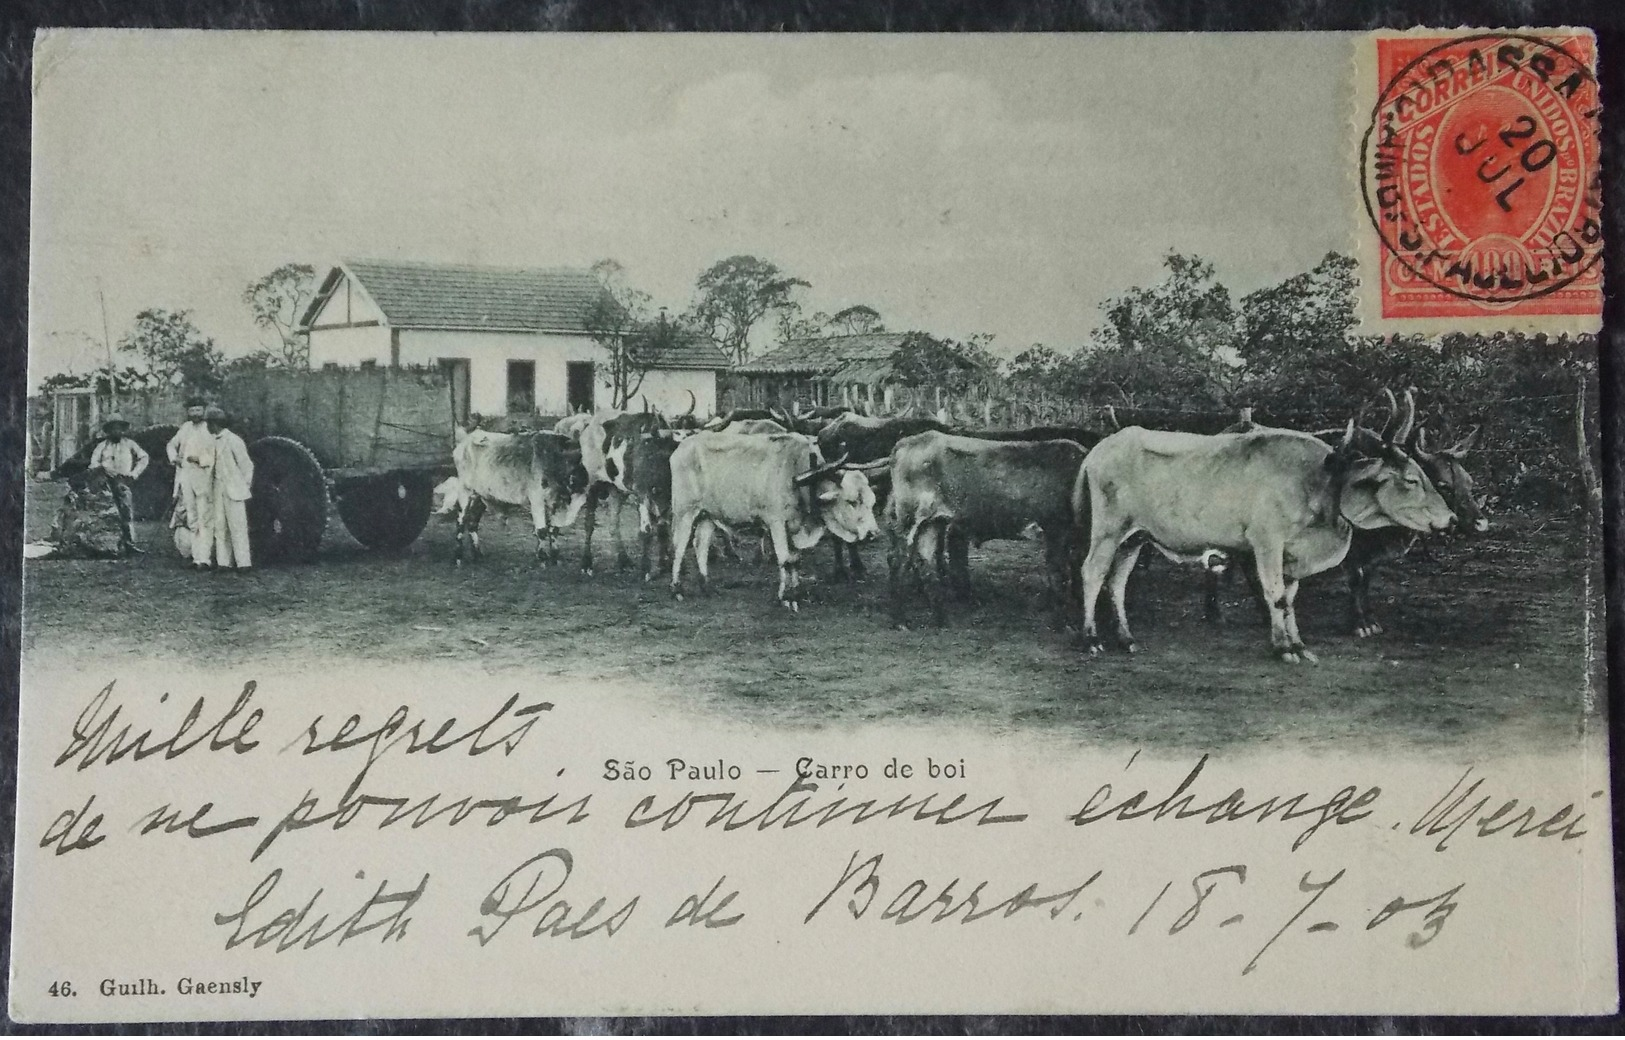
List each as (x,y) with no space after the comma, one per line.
(1480,175)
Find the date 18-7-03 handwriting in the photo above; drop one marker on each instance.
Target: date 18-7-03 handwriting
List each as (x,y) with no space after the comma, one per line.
(546,897)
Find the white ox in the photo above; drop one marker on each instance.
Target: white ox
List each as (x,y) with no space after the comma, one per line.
(779,481)
(538,471)
(1287,498)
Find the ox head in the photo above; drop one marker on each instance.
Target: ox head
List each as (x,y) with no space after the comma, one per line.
(687,420)
(1455,484)
(620,434)
(1385,487)
(844,500)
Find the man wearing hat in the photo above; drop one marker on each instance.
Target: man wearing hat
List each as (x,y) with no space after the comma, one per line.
(122,461)
(233,478)
(191,452)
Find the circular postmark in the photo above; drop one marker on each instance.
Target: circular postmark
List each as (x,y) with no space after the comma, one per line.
(1479,169)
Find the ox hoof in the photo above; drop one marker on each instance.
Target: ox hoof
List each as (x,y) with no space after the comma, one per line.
(677,595)
(1131,647)
(457,563)
(1308,657)
(1289,657)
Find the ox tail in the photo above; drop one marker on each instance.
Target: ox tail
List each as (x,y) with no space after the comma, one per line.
(1082,517)
(1082,506)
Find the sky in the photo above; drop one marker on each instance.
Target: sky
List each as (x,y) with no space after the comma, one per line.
(957,184)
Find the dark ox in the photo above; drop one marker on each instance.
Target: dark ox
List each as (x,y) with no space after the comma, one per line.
(778,481)
(1285,497)
(608,445)
(966,489)
(957,549)
(538,471)
(642,471)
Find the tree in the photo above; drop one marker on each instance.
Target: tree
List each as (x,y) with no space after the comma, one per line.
(793,325)
(856,320)
(924,360)
(173,349)
(733,295)
(1303,326)
(277,301)
(101,380)
(1170,345)
(619,322)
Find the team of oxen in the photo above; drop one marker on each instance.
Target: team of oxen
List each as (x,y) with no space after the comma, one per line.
(1278,504)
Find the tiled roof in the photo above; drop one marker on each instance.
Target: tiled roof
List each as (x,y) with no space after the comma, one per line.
(826,355)
(693,350)
(416,295)
(459,296)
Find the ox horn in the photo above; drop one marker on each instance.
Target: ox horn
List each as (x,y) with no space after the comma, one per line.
(871,467)
(1407,420)
(1393,414)
(1347,442)
(1464,445)
(693,402)
(1422,441)
(813,474)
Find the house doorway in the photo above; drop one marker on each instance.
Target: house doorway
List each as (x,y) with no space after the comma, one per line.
(579,384)
(456,370)
(521,387)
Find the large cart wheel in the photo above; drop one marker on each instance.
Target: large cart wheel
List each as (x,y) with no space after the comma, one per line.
(387,512)
(288,510)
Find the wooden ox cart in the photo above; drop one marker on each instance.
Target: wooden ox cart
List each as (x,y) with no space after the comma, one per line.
(372,442)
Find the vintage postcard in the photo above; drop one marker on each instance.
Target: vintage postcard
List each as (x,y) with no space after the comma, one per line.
(543,525)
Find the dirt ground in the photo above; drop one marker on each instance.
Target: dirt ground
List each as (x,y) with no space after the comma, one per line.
(1484,648)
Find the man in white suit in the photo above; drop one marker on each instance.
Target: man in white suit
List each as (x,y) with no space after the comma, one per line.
(191,452)
(233,477)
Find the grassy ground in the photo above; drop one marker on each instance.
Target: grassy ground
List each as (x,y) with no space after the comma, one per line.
(1484,645)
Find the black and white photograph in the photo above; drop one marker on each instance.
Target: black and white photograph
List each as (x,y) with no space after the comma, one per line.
(596,525)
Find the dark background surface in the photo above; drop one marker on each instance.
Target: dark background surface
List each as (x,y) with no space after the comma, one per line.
(17,24)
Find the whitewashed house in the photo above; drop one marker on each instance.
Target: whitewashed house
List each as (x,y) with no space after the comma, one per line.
(513,340)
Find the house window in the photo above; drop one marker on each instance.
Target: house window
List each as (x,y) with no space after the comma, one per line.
(521,386)
(579,385)
(367,364)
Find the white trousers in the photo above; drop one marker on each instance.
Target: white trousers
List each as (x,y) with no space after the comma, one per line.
(231,533)
(195,481)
